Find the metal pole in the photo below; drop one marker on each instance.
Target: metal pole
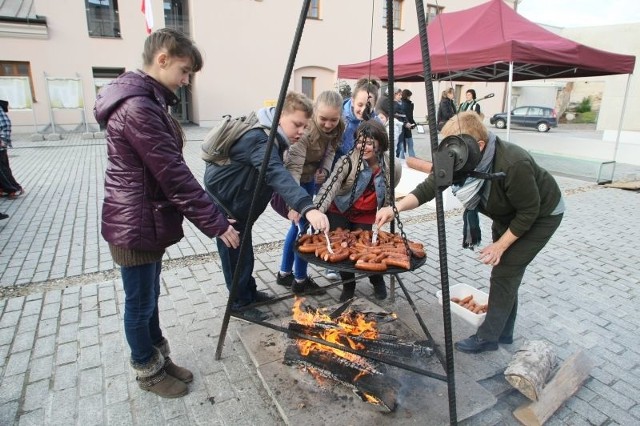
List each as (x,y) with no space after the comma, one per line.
(624,108)
(84,115)
(442,242)
(509,99)
(392,108)
(53,124)
(261,177)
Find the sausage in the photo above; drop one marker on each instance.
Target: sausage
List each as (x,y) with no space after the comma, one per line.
(418,253)
(339,256)
(370,266)
(305,237)
(391,261)
(466,299)
(308,248)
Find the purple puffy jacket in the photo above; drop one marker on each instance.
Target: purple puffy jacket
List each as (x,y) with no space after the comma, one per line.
(148,187)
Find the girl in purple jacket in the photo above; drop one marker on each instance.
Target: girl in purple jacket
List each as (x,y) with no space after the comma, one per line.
(148,191)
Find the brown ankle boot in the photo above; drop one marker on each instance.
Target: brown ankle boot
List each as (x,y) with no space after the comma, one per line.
(152,377)
(170,367)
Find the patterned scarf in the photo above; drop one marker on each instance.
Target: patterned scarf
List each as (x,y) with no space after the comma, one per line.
(471,192)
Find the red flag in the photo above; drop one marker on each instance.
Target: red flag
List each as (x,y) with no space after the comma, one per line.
(148,15)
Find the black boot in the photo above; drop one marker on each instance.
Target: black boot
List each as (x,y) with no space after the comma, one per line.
(348,290)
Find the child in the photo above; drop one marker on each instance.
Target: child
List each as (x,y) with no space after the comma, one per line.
(233,186)
(357,108)
(148,190)
(349,210)
(310,161)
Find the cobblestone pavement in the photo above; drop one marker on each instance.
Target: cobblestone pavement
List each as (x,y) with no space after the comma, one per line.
(64,360)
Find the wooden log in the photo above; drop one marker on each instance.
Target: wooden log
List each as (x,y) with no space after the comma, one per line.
(384,348)
(531,367)
(569,378)
(365,377)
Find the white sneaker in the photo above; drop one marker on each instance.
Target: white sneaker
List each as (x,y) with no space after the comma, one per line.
(332,275)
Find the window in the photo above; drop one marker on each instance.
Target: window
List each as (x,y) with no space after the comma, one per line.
(176,15)
(397,15)
(432,11)
(18,69)
(520,111)
(102,18)
(104,76)
(314,10)
(308,84)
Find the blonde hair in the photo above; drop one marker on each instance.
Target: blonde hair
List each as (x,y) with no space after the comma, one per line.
(296,101)
(468,122)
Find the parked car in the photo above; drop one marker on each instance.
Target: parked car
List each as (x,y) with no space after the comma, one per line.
(540,118)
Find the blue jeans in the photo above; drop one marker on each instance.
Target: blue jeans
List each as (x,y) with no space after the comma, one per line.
(401,142)
(229,258)
(141,321)
(289,258)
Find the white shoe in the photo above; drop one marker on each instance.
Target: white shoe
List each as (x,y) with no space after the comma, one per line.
(332,275)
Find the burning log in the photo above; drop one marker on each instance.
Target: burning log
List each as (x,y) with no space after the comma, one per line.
(384,346)
(367,380)
(354,331)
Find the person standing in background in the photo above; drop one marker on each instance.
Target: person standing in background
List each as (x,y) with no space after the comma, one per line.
(470,104)
(8,185)
(447,108)
(406,140)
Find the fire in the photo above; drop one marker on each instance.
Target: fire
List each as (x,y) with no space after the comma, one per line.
(342,330)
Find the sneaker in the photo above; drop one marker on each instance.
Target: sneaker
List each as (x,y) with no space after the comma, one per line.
(14,195)
(332,275)
(284,280)
(251,315)
(263,296)
(3,216)
(307,286)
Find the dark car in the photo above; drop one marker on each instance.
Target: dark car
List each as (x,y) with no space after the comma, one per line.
(540,118)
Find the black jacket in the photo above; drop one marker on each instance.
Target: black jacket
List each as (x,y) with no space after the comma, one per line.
(407,105)
(446,110)
(233,185)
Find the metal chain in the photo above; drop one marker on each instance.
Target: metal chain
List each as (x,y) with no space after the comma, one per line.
(396,215)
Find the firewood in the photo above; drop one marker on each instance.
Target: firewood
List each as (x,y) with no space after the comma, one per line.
(530,368)
(569,378)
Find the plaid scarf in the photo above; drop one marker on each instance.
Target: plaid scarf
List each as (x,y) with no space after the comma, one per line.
(471,192)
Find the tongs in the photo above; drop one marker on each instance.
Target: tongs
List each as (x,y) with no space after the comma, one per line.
(374,237)
(329,249)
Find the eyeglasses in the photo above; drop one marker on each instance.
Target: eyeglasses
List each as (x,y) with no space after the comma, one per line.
(368,142)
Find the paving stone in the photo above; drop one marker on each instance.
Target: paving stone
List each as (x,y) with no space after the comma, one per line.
(8,412)
(11,389)
(90,410)
(66,353)
(18,363)
(36,396)
(32,418)
(90,382)
(41,368)
(119,414)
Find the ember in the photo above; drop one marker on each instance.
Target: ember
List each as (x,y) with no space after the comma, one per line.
(359,332)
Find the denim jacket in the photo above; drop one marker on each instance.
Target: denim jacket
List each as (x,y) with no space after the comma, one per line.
(341,191)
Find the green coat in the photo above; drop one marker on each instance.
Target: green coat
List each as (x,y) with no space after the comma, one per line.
(528,191)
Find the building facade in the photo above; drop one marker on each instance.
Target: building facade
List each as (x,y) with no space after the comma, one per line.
(57,54)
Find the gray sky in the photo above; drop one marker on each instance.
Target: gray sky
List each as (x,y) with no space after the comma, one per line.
(580,13)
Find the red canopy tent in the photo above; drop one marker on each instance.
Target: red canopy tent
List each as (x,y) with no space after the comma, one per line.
(477,44)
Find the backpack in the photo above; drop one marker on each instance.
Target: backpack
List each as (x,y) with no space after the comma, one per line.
(217,143)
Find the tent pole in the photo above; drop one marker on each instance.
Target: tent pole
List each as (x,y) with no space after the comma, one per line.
(509,100)
(624,108)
